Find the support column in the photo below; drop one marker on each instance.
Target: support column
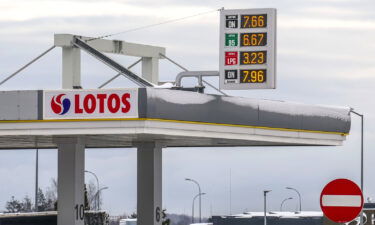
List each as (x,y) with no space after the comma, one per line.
(71,67)
(149,182)
(150,69)
(70,186)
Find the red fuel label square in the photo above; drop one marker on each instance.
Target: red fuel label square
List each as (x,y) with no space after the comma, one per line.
(231,58)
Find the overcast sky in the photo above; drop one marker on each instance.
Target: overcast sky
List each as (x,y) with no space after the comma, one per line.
(325,55)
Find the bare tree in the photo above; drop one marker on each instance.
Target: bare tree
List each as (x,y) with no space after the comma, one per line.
(26,204)
(92,190)
(51,191)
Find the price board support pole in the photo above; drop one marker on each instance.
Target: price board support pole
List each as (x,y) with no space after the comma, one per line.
(149,183)
(71,67)
(71,165)
(150,69)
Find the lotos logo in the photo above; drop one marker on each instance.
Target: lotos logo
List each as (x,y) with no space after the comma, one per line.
(90,104)
(58,106)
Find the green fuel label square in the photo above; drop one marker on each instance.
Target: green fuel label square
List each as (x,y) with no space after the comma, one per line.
(231,40)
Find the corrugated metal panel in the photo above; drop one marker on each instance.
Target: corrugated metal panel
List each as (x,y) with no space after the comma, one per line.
(19,105)
(28,105)
(9,105)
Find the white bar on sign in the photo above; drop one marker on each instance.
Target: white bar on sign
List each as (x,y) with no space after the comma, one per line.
(342,200)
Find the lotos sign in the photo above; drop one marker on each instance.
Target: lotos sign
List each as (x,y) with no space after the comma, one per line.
(90,104)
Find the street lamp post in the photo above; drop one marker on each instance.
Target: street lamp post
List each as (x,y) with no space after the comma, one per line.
(299,197)
(192,208)
(200,198)
(265,205)
(36,178)
(281,206)
(97,183)
(98,193)
(360,115)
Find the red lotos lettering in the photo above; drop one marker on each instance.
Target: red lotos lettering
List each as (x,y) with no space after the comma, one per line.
(113,103)
(101,98)
(106,103)
(125,102)
(77,108)
(89,103)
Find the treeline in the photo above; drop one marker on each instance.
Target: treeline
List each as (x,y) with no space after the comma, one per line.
(47,200)
(27,205)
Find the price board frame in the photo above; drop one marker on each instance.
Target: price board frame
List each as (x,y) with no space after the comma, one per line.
(241,37)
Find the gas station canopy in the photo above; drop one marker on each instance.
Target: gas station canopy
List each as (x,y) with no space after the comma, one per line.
(171,117)
(148,118)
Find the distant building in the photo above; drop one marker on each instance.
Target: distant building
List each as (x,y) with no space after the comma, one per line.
(368,219)
(128,222)
(291,218)
(47,218)
(32,218)
(273,218)
(201,224)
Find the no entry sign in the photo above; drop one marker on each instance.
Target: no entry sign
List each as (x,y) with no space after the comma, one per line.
(341,200)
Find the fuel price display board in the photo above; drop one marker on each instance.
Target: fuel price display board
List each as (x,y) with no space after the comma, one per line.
(247,49)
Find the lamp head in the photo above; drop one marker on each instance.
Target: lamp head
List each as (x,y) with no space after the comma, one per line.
(103,188)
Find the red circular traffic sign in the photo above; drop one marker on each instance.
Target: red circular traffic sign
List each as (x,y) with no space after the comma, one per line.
(341,200)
